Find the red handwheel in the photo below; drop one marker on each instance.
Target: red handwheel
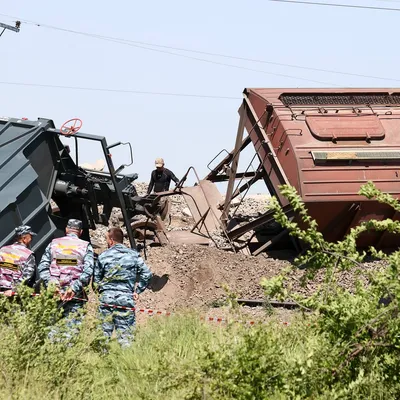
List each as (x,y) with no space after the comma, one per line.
(76,124)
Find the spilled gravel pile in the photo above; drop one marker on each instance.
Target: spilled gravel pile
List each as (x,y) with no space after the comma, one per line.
(201,277)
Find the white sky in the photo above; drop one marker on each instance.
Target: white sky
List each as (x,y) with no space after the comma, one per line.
(184,130)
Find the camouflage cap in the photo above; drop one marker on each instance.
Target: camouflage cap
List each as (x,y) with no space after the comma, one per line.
(24,230)
(74,224)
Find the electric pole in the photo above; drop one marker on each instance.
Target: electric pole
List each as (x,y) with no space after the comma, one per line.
(9,27)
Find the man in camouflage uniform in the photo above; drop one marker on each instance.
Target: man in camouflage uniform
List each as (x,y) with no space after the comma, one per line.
(68,264)
(115,275)
(17,261)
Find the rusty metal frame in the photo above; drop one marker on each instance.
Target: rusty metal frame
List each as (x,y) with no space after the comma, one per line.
(261,110)
(267,158)
(239,175)
(209,208)
(256,176)
(266,151)
(264,219)
(234,164)
(201,222)
(270,242)
(213,174)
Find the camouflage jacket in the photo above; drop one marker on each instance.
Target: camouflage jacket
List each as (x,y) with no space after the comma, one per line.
(118,268)
(76,284)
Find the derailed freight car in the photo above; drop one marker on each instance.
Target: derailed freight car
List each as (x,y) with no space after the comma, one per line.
(326,143)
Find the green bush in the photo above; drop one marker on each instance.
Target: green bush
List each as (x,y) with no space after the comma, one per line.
(340,345)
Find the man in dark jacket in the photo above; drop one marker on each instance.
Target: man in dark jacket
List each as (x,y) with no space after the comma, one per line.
(161,178)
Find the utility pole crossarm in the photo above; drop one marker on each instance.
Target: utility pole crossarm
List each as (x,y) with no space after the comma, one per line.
(9,27)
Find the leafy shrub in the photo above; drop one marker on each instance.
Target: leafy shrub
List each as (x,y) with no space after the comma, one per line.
(340,345)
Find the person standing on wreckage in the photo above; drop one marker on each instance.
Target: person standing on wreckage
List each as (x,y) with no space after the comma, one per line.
(115,275)
(17,261)
(68,264)
(160,181)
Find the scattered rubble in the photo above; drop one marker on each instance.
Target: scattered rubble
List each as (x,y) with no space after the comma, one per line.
(219,240)
(200,277)
(251,206)
(181,219)
(141,188)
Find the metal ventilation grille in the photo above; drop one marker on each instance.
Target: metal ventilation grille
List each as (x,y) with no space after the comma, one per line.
(355,155)
(321,99)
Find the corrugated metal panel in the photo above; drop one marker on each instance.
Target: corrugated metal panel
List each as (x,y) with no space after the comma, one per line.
(22,199)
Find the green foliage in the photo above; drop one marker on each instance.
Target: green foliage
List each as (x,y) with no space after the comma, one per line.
(180,357)
(362,326)
(30,361)
(340,345)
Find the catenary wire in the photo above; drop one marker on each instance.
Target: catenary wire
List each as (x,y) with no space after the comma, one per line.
(125,42)
(336,5)
(141,44)
(224,64)
(115,40)
(118,90)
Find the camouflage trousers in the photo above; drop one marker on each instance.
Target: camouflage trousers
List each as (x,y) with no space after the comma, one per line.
(123,321)
(72,318)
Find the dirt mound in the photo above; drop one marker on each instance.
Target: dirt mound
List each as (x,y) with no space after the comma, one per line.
(197,276)
(190,276)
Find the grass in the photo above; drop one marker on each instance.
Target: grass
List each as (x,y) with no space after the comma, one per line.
(177,357)
(164,350)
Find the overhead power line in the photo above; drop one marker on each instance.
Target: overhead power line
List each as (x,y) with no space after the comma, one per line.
(205,96)
(133,44)
(336,5)
(145,46)
(140,44)
(219,63)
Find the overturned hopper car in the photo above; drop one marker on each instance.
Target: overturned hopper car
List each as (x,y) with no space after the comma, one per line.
(326,143)
(43,185)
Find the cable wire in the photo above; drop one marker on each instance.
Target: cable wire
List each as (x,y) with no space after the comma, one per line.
(133,44)
(138,43)
(336,5)
(141,44)
(118,90)
(144,45)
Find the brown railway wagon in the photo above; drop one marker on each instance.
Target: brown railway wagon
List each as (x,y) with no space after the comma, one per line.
(327,143)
